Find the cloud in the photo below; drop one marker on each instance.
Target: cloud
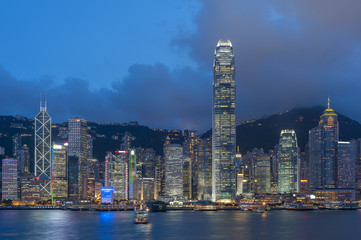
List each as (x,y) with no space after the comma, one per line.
(288,53)
(151,94)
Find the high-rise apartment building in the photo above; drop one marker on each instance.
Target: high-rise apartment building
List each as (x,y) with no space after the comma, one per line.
(42,151)
(10,184)
(224,123)
(174,170)
(288,162)
(78,146)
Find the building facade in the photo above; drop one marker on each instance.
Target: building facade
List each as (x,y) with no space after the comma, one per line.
(78,146)
(59,173)
(323,141)
(42,151)
(288,162)
(263,174)
(224,123)
(10,185)
(174,171)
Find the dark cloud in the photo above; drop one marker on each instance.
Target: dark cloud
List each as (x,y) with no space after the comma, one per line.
(150,94)
(288,53)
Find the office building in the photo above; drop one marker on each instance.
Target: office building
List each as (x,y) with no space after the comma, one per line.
(224,124)
(174,171)
(59,173)
(10,184)
(118,175)
(78,146)
(323,141)
(346,155)
(144,189)
(42,151)
(263,174)
(204,170)
(288,162)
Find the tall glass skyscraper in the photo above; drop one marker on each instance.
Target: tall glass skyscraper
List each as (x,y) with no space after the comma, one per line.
(43,151)
(9,179)
(323,141)
(288,162)
(224,123)
(174,170)
(78,146)
(59,173)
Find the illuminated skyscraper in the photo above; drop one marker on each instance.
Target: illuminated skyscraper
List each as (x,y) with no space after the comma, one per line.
(224,123)
(288,162)
(118,175)
(174,170)
(263,174)
(346,156)
(323,141)
(59,173)
(204,170)
(10,179)
(78,146)
(132,171)
(43,151)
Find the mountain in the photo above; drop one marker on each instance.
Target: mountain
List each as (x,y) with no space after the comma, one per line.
(265,132)
(261,133)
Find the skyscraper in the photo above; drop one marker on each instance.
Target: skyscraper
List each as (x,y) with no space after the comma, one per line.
(346,156)
(118,175)
(174,170)
(204,170)
(59,173)
(132,171)
(78,146)
(10,179)
(288,162)
(224,123)
(323,141)
(43,151)
(263,174)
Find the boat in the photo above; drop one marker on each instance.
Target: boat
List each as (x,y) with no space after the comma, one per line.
(205,206)
(258,210)
(300,206)
(156,206)
(141,217)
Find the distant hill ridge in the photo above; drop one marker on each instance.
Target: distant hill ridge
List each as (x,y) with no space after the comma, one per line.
(261,133)
(265,132)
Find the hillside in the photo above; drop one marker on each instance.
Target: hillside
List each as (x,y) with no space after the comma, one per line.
(265,132)
(260,133)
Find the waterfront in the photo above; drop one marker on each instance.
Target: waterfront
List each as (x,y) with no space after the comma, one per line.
(58,224)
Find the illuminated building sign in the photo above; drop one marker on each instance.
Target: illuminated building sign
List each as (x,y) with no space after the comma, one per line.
(304,181)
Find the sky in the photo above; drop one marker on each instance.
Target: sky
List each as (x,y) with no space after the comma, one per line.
(151,61)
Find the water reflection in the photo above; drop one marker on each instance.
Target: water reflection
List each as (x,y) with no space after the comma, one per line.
(51,224)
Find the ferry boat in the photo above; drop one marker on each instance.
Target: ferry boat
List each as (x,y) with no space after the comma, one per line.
(299,206)
(205,206)
(258,210)
(141,217)
(156,206)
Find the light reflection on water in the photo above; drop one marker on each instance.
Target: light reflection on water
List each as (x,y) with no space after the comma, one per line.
(57,224)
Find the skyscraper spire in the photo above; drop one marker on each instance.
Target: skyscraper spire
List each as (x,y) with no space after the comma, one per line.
(328,104)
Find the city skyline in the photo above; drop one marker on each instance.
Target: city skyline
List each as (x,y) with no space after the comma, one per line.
(168,64)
